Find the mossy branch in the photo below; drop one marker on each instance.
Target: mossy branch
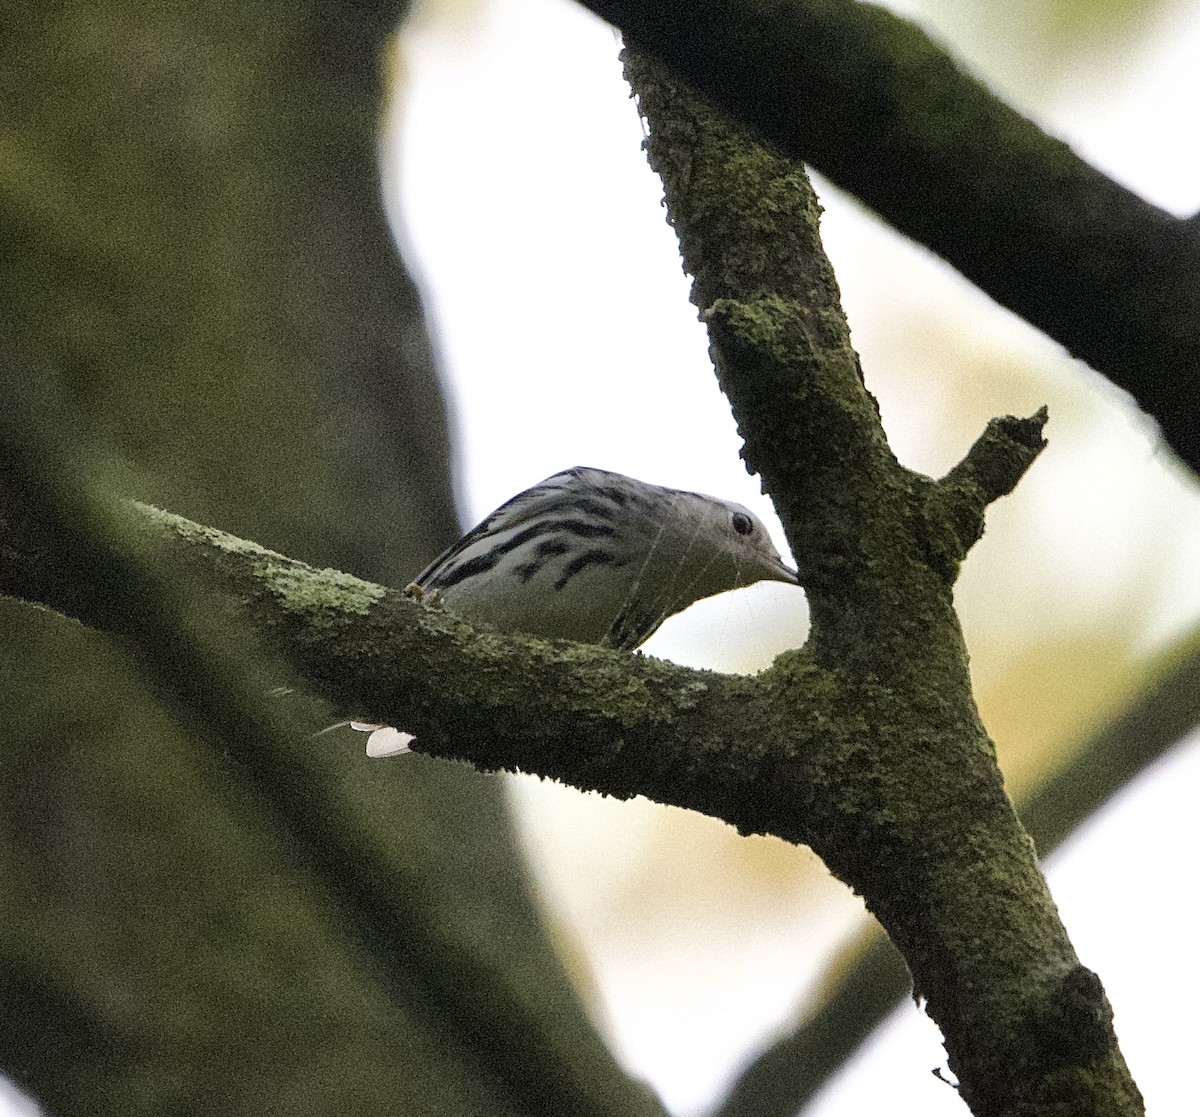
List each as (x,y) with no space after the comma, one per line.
(901,796)
(601,720)
(752,751)
(141,575)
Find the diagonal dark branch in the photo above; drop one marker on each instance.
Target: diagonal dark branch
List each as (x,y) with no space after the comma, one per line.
(1164,710)
(870,101)
(598,719)
(789,1073)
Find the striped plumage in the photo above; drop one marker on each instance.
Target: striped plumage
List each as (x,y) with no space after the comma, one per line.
(600,558)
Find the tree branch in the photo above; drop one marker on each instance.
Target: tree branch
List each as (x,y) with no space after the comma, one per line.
(901,797)
(785,1077)
(460,980)
(870,101)
(753,751)
(739,748)
(597,719)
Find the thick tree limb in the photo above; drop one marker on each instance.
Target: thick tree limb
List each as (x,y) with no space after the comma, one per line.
(745,749)
(902,797)
(870,101)
(597,719)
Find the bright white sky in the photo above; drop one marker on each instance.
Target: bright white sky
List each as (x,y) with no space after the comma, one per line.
(562,315)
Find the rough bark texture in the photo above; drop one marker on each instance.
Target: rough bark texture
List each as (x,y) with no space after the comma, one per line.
(901,795)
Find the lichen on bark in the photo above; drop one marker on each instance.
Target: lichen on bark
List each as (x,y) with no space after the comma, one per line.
(901,794)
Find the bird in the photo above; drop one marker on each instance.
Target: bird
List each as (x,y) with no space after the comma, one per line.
(596,557)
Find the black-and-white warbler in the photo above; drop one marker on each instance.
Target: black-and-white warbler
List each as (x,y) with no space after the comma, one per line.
(596,557)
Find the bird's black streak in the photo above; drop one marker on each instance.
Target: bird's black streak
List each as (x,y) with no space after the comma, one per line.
(545,551)
(595,556)
(446,577)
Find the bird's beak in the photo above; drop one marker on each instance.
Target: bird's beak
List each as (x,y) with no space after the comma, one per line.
(784,573)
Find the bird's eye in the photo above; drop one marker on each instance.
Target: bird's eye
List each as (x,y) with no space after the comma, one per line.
(742,523)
